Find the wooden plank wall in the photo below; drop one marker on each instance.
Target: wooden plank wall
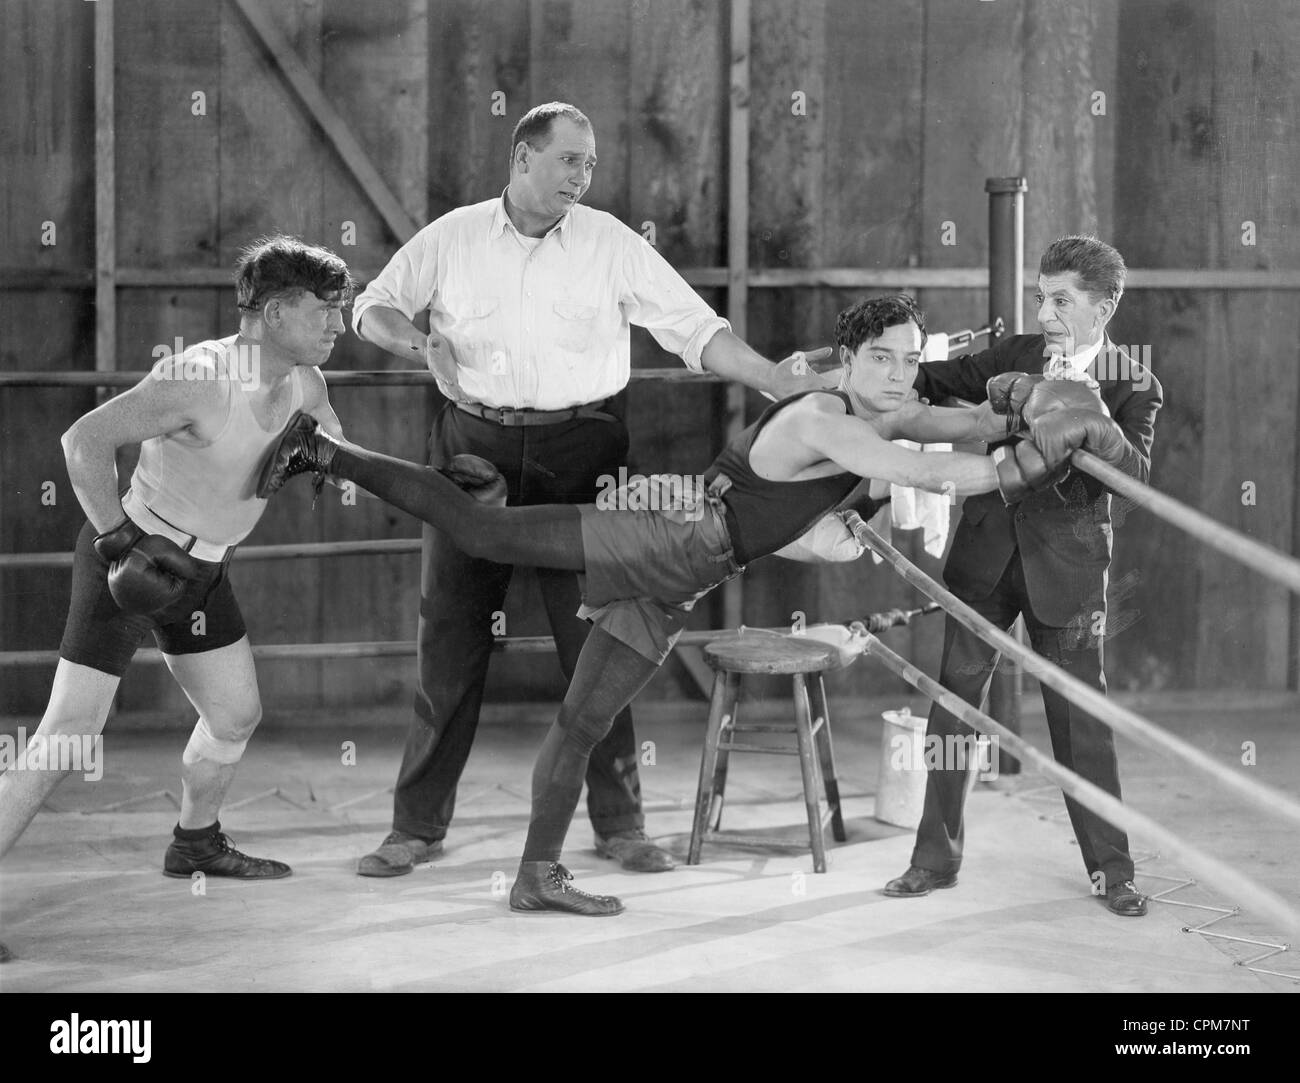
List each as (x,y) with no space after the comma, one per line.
(906,109)
(47,147)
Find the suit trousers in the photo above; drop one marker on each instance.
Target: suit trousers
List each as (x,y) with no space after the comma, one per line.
(543,464)
(1079,741)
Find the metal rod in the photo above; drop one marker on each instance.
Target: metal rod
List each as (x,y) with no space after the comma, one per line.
(1107,711)
(1272,563)
(1096,799)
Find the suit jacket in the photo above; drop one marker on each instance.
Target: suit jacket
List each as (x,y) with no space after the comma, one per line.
(1063,533)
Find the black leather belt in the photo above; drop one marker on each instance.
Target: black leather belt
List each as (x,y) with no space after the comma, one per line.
(511,417)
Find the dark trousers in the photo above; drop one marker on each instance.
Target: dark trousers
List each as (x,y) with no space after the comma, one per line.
(543,464)
(1079,741)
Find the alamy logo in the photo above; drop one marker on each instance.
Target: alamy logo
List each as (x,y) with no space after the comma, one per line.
(240,363)
(77,1035)
(53,752)
(658,492)
(1125,364)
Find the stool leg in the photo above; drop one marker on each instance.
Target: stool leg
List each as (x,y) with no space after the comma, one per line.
(730,711)
(808,767)
(825,750)
(708,764)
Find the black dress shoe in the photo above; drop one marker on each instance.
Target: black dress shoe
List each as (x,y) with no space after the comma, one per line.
(215,855)
(1125,900)
(5,954)
(917,882)
(544,885)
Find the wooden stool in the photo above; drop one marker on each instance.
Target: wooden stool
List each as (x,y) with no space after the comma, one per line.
(805,660)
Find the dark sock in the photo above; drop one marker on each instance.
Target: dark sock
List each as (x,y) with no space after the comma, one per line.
(542,536)
(197,834)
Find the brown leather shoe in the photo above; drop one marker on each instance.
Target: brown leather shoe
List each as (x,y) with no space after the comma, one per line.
(397,855)
(635,852)
(1125,900)
(917,882)
(544,885)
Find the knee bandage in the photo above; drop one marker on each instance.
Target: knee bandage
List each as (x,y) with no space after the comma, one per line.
(205,745)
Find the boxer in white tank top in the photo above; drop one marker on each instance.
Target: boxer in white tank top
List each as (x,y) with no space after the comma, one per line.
(205,421)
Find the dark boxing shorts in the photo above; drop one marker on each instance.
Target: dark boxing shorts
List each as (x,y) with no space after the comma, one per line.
(647,569)
(101,636)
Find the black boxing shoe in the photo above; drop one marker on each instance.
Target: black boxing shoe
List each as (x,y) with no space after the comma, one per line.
(304,448)
(215,855)
(543,885)
(917,882)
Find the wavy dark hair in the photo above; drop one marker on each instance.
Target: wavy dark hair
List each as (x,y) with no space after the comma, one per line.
(283,266)
(1099,267)
(868,319)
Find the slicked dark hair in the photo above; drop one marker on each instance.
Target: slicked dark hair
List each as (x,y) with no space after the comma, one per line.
(867,320)
(534,127)
(1099,267)
(283,266)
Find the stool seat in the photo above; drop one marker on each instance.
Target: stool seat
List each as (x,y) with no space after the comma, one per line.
(804,661)
(776,654)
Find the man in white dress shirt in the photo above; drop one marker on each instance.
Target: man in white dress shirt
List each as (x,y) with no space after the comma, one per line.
(530,297)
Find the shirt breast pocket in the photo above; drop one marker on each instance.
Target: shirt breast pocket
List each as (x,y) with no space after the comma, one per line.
(575,324)
(471,329)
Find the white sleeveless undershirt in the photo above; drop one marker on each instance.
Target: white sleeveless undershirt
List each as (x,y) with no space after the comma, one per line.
(208,488)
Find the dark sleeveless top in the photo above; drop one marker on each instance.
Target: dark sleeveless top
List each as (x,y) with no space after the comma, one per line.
(764,516)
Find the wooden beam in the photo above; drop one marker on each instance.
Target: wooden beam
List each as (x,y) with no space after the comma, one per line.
(105,194)
(840,278)
(336,130)
(333,377)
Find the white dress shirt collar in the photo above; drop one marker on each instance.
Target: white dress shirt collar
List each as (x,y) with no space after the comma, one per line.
(501,221)
(1080,362)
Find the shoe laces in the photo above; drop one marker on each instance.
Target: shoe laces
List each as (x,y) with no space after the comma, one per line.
(301,462)
(560,877)
(224,843)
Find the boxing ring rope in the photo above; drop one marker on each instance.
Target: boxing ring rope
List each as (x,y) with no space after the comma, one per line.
(1262,558)
(1119,718)
(1094,798)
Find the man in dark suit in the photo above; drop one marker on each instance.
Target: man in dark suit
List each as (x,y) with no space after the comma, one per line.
(1046,557)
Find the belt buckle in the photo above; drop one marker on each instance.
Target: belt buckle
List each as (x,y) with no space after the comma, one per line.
(507,416)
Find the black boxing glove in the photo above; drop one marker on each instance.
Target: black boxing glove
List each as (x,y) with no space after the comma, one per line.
(1053,395)
(1008,392)
(1060,433)
(1022,470)
(478,477)
(146,572)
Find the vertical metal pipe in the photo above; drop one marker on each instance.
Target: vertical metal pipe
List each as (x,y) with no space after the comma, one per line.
(737,245)
(1007,304)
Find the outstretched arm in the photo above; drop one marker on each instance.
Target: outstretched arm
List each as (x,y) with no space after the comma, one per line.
(946,425)
(857,447)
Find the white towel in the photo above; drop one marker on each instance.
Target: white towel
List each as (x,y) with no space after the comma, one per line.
(918,509)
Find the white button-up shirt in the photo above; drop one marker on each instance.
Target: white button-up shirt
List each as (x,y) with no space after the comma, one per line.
(540,324)
(1076,366)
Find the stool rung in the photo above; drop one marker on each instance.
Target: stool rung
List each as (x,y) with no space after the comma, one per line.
(771,750)
(763,841)
(828,814)
(764,727)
